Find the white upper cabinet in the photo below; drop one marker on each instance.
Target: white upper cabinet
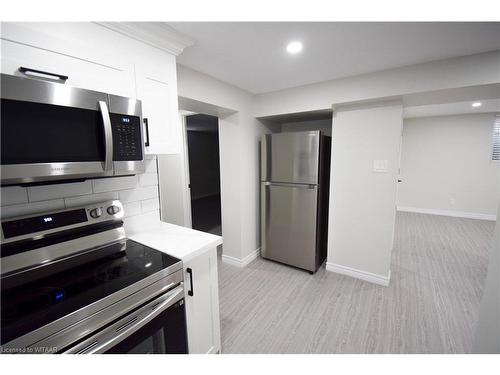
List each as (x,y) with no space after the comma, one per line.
(159,102)
(81,73)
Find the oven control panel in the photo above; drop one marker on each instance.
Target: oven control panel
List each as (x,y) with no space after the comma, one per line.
(127,137)
(97,212)
(27,226)
(105,210)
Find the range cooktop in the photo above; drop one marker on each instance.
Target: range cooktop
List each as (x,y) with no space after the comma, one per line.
(42,295)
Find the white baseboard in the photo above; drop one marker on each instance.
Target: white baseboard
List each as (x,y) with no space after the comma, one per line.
(431,211)
(241,262)
(358,274)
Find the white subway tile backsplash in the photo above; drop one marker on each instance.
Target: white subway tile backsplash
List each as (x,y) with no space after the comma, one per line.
(14,195)
(47,192)
(31,208)
(92,198)
(149,205)
(142,222)
(115,183)
(151,165)
(132,209)
(138,194)
(148,179)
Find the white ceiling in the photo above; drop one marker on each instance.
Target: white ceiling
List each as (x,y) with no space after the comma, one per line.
(252,56)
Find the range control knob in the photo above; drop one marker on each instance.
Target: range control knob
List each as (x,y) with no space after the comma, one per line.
(113,210)
(96,212)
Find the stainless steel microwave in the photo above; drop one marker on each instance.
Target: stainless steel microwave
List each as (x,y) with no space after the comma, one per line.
(51,131)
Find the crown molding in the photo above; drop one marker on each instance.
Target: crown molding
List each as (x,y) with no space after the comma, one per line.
(156,34)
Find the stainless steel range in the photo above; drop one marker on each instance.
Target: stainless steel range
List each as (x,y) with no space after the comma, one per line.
(71,282)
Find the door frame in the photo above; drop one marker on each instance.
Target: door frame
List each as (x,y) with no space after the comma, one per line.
(188,220)
(189,106)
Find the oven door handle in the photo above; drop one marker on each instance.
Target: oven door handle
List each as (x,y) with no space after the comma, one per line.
(108,136)
(129,324)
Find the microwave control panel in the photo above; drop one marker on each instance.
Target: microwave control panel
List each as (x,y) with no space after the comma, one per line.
(127,139)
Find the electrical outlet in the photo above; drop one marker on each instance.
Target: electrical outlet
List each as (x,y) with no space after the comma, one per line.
(380,166)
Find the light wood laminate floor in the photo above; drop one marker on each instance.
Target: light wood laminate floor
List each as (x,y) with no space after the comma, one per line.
(438,271)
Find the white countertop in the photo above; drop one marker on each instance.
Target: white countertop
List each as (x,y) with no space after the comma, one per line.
(180,242)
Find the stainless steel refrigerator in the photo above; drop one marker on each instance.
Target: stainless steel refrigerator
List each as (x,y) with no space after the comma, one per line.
(295,170)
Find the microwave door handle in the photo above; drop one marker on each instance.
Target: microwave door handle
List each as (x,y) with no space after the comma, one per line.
(108,136)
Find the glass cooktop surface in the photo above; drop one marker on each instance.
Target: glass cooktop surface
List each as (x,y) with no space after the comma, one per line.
(51,292)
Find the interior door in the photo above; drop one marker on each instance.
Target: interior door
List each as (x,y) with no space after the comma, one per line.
(289,223)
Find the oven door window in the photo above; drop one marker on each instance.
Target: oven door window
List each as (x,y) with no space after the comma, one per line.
(45,133)
(166,333)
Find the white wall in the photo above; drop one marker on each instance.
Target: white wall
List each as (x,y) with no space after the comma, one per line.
(172,184)
(239,135)
(363,202)
(324,125)
(446,165)
(480,69)
(487,339)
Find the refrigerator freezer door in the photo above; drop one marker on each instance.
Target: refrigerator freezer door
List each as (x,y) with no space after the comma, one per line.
(289,214)
(290,157)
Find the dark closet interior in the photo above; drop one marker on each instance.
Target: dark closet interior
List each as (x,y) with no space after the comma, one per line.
(204,172)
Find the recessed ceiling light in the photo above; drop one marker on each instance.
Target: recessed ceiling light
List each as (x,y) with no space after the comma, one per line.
(294,47)
(477,104)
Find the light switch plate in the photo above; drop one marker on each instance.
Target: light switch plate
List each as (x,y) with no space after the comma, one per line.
(380,166)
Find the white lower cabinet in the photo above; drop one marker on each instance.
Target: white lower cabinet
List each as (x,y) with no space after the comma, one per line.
(202,307)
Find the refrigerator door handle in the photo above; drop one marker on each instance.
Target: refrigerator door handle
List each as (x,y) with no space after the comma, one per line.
(286,184)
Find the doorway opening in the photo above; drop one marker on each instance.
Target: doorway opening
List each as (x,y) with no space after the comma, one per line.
(202,141)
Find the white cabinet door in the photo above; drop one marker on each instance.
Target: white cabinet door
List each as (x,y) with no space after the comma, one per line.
(82,73)
(158,108)
(155,97)
(202,307)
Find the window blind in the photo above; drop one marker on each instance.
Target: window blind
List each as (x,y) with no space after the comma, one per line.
(495,155)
